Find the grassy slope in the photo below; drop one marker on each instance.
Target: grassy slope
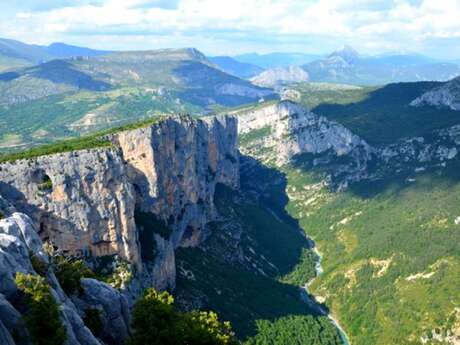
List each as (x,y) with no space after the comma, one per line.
(408,226)
(65,98)
(56,117)
(91,141)
(379,115)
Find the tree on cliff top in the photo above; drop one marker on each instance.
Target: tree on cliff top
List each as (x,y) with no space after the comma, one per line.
(157,322)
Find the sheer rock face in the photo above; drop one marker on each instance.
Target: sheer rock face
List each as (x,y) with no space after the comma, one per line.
(86,209)
(294,130)
(447,95)
(174,167)
(84,202)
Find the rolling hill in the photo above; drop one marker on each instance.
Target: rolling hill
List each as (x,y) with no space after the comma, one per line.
(15,54)
(236,68)
(62,98)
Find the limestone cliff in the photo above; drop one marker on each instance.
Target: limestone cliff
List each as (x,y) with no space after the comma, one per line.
(288,130)
(287,133)
(82,201)
(19,241)
(85,203)
(447,95)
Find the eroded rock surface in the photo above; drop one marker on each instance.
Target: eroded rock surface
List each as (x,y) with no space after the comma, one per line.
(85,202)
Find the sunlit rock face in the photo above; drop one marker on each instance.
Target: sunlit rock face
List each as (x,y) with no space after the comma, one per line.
(447,95)
(85,202)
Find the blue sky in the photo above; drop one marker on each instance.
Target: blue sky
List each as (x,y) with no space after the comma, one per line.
(431,27)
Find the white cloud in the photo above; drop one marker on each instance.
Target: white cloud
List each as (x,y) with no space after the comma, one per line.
(369,24)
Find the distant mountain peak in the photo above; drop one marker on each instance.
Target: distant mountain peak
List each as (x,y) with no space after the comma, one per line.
(348,53)
(195,54)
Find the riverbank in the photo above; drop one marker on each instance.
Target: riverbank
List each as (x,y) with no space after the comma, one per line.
(310,299)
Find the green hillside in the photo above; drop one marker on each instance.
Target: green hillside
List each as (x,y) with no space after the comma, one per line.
(380,115)
(67,98)
(390,253)
(390,245)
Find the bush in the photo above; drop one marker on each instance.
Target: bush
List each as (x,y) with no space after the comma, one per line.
(203,327)
(69,272)
(42,317)
(46,185)
(93,321)
(157,322)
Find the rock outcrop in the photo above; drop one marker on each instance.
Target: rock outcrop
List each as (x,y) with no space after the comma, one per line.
(447,95)
(112,307)
(287,133)
(279,76)
(82,201)
(289,130)
(85,202)
(19,242)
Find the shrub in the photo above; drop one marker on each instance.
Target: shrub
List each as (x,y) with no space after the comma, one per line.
(156,321)
(42,317)
(121,275)
(69,272)
(46,185)
(93,321)
(203,327)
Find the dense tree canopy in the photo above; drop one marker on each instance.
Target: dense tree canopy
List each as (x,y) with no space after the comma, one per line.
(157,322)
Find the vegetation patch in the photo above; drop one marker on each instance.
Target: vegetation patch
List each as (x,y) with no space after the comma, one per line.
(93,141)
(295,329)
(157,322)
(42,314)
(254,135)
(69,272)
(46,185)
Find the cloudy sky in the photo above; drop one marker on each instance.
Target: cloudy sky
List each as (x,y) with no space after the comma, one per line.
(238,26)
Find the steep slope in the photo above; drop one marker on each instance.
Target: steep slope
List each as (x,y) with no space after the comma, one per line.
(236,68)
(279,76)
(349,67)
(185,70)
(90,202)
(388,238)
(447,95)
